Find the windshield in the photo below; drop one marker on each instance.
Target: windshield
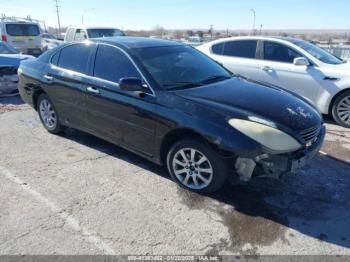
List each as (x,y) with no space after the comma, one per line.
(97,33)
(180,66)
(6,49)
(22,30)
(319,53)
(48,36)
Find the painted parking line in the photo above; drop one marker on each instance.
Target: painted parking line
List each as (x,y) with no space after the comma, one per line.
(67,218)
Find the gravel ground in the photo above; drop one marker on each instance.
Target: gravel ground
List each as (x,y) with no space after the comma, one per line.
(76,194)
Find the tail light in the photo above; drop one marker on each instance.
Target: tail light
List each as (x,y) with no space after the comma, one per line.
(4,38)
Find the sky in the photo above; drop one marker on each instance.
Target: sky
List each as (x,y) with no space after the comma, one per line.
(188,14)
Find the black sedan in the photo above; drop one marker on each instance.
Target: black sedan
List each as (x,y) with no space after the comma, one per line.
(172,105)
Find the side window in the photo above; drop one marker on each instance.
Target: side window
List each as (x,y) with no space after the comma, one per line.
(244,48)
(279,53)
(80,35)
(75,57)
(218,48)
(112,64)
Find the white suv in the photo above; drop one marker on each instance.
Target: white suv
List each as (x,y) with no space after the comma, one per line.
(290,63)
(22,34)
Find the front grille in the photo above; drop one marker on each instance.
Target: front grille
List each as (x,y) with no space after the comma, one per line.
(8,70)
(311,134)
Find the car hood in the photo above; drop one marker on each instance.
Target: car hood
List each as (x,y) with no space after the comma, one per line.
(13,59)
(240,98)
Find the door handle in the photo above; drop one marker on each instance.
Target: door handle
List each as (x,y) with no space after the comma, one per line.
(268,69)
(93,90)
(49,78)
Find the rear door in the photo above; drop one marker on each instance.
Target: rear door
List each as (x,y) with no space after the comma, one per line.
(119,116)
(277,68)
(239,56)
(65,80)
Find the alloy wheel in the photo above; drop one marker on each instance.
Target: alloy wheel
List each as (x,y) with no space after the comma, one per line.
(47,114)
(343,110)
(192,168)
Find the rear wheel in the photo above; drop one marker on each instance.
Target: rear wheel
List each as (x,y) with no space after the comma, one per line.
(196,166)
(341,109)
(48,115)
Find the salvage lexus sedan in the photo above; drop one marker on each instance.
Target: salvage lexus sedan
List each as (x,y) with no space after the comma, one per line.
(172,105)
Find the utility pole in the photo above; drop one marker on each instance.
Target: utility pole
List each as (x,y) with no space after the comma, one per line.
(254,19)
(211,31)
(83,15)
(57,7)
(261,27)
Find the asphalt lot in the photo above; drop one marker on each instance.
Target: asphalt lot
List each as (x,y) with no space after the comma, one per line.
(76,194)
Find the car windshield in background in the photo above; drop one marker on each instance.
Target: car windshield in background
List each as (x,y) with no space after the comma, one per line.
(97,33)
(22,30)
(49,36)
(6,49)
(180,66)
(319,53)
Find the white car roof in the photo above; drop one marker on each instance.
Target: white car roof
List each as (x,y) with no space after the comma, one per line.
(272,38)
(93,27)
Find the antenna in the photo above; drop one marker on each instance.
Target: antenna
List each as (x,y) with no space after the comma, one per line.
(57,7)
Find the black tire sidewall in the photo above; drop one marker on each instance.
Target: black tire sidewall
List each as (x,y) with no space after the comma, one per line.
(335,106)
(59,128)
(219,165)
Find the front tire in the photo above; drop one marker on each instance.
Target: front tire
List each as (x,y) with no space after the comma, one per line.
(196,166)
(341,109)
(48,115)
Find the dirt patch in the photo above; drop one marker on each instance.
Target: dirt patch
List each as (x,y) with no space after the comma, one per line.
(8,108)
(248,218)
(337,151)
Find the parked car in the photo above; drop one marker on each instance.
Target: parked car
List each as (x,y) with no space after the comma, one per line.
(22,34)
(9,63)
(172,105)
(88,32)
(293,64)
(49,42)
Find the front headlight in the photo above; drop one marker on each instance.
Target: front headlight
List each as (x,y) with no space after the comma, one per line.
(269,137)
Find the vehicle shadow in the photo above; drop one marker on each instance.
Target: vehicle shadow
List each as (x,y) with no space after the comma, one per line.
(315,202)
(11,100)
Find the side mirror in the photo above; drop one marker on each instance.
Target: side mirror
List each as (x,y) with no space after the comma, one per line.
(132,84)
(301,61)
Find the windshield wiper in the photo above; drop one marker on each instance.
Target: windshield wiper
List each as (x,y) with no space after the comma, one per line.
(213,79)
(181,85)
(196,84)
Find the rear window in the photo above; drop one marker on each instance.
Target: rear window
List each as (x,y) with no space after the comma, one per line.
(75,57)
(244,49)
(22,30)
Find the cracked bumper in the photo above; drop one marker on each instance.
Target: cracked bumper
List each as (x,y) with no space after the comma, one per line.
(276,165)
(291,163)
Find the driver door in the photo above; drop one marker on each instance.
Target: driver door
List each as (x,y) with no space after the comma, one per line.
(277,68)
(119,116)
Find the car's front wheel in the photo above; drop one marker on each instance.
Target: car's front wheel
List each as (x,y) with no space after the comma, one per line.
(341,109)
(48,115)
(196,166)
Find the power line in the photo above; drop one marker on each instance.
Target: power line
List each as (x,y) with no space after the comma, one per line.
(57,7)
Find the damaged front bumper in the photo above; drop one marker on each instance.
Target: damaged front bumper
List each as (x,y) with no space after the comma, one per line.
(276,165)
(8,81)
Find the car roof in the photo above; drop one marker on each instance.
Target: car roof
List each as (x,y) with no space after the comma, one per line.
(130,42)
(280,38)
(92,27)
